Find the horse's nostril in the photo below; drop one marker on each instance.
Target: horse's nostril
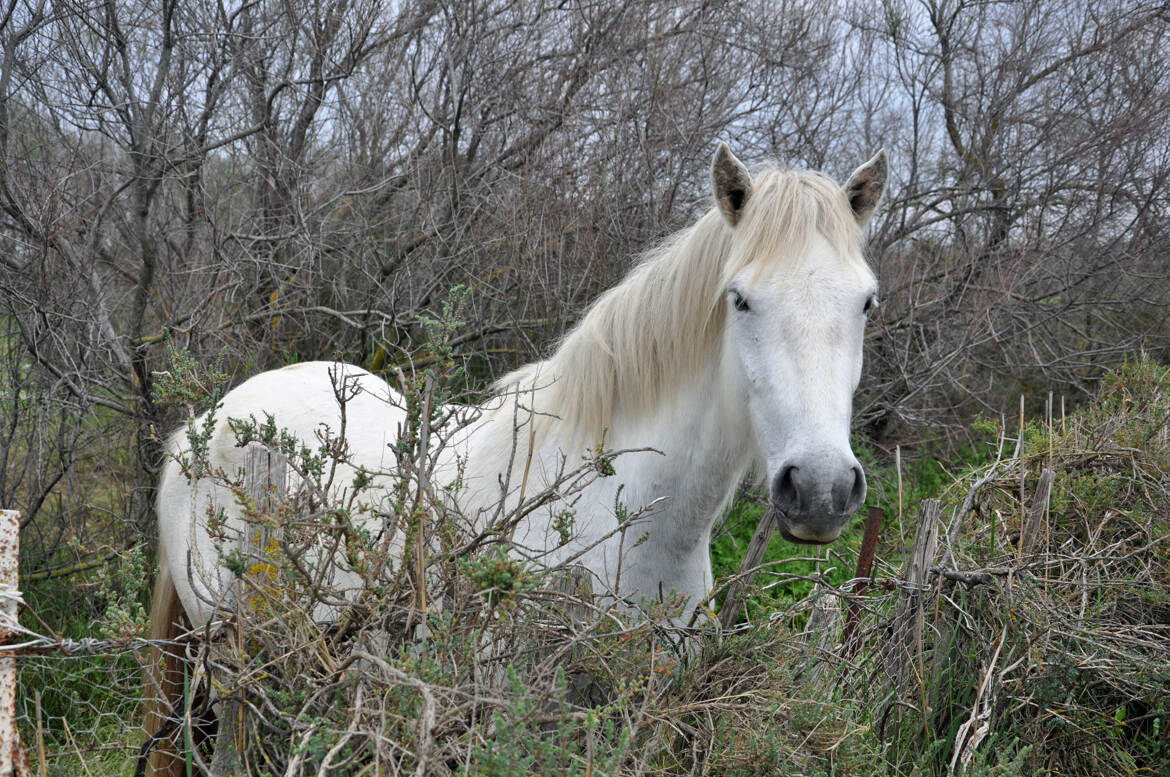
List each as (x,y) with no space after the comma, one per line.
(785,493)
(848,491)
(857,493)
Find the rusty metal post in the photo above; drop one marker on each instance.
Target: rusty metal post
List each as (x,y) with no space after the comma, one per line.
(12,757)
(873,529)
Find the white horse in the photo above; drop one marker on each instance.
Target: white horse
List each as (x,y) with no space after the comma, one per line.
(734,345)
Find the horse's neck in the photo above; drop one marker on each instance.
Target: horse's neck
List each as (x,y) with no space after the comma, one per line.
(703,457)
(701,431)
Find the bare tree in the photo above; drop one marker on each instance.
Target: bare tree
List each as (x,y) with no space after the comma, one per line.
(1017,255)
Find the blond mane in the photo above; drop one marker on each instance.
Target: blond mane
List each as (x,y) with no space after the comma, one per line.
(664,320)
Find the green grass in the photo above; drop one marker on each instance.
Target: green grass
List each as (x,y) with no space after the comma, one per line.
(924,476)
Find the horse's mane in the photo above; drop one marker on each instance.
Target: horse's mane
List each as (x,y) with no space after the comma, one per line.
(659,325)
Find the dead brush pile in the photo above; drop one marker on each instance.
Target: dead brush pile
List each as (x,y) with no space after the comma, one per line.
(534,682)
(1043,644)
(511,671)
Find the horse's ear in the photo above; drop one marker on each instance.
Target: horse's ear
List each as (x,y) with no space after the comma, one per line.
(731,182)
(867,185)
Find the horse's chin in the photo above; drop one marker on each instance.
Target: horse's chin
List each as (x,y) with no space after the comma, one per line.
(787,534)
(799,541)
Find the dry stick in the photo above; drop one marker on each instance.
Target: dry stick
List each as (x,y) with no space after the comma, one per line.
(426,718)
(299,752)
(969,504)
(969,735)
(733,602)
(1050,411)
(873,528)
(898,467)
(1020,459)
(72,743)
(42,759)
(423,485)
(717,593)
(969,578)
(344,740)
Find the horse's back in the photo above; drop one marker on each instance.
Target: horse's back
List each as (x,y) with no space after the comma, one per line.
(306,400)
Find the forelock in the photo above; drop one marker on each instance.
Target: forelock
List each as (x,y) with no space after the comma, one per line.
(787,208)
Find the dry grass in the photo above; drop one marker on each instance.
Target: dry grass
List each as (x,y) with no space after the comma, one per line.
(1043,656)
(1046,646)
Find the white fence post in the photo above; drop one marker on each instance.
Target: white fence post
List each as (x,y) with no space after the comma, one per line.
(12,759)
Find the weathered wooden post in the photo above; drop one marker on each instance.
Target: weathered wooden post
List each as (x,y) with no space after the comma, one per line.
(265,480)
(12,757)
(733,601)
(909,623)
(1034,526)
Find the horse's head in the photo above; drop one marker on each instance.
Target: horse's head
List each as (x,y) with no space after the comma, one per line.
(797,295)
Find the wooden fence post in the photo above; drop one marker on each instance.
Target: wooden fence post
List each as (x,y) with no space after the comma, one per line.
(733,601)
(13,762)
(265,480)
(1034,526)
(906,642)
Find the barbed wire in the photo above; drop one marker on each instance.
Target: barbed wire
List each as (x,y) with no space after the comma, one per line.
(43,645)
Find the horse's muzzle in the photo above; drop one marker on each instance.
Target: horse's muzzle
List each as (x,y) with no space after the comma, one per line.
(816,495)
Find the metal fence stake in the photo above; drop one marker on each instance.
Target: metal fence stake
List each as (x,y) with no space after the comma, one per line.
(873,528)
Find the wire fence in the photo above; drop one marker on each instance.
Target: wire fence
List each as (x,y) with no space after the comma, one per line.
(67,706)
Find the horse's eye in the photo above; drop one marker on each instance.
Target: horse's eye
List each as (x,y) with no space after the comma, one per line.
(739,302)
(871,304)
